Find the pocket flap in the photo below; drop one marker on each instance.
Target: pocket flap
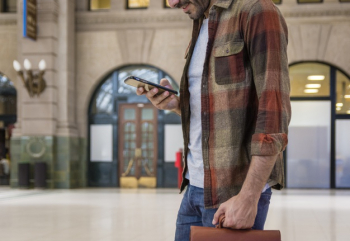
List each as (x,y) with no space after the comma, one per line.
(228,48)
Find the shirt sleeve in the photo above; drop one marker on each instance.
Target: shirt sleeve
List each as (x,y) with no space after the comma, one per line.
(266,36)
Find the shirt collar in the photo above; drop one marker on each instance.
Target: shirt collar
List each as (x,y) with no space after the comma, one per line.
(223,3)
(206,13)
(218,3)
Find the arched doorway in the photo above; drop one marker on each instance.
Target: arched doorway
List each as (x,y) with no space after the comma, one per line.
(8,117)
(318,153)
(126,133)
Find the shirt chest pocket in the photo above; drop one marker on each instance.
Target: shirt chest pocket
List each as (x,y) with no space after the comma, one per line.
(229,63)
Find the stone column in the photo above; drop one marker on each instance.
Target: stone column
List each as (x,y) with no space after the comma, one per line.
(33,140)
(67,168)
(47,131)
(66,69)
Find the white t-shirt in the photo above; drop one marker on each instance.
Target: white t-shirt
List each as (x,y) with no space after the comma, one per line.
(195,171)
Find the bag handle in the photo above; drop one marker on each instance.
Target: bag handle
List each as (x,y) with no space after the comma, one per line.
(221,222)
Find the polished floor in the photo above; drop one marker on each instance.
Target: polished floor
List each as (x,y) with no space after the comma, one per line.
(130,215)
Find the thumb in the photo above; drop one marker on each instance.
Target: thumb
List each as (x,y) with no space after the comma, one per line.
(165,83)
(218,213)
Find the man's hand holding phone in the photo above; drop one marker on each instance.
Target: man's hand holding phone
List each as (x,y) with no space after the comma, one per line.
(164,101)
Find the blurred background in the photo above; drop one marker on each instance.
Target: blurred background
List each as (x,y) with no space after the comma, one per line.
(71,122)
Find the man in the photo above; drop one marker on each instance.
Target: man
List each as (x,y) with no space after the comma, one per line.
(235,110)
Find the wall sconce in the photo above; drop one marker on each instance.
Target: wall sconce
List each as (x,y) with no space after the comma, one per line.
(34,83)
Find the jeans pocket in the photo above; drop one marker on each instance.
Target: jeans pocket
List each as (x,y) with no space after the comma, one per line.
(265,197)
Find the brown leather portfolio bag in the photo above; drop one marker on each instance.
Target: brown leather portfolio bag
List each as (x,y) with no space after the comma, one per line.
(224,234)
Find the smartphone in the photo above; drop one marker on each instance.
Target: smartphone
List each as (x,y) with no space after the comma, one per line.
(147,85)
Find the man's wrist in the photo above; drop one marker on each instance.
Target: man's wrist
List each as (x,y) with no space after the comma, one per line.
(177,111)
(250,195)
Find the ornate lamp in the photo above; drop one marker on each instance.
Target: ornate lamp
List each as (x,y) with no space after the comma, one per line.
(34,83)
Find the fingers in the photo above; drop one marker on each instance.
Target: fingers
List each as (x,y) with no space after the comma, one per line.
(218,213)
(166,83)
(158,100)
(140,91)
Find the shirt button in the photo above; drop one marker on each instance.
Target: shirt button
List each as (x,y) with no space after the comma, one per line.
(227,51)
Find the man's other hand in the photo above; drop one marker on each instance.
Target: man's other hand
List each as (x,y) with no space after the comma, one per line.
(239,212)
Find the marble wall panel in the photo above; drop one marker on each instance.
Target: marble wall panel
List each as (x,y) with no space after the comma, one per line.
(47,45)
(42,126)
(40,110)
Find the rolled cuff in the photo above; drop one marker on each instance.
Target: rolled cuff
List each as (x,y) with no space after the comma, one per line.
(268,144)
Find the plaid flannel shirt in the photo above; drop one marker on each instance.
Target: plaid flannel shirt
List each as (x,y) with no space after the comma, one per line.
(244,95)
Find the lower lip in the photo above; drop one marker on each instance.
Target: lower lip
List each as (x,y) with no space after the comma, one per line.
(186,8)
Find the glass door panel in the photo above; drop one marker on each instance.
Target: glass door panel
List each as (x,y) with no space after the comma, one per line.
(147,114)
(308,151)
(147,148)
(342,153)
(138,140)
(129,147)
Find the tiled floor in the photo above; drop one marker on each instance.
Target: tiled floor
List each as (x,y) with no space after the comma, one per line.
(130,215)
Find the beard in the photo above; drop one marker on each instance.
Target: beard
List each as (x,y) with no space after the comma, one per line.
(196,8)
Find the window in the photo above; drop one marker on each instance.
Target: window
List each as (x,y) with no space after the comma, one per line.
(320,127)
(100,4)
(135,4)
(8,6)
(8,100)
(103,102)
(114,87)
(343,94)
(147,73)
(309,80)
(166,4)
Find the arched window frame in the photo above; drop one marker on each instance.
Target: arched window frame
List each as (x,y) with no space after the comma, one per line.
(116,92)
(112,120)
(334,116)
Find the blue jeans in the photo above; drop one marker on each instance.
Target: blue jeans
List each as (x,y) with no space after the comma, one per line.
(193,213)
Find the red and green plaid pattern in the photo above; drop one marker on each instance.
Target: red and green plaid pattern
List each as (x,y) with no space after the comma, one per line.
(245,95)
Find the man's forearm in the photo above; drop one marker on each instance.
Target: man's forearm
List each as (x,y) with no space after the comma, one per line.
(177,111)
(258,174)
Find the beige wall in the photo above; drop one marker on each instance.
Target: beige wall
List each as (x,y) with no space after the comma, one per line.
(8,45)
(107,40)
(98,53)
(317,32)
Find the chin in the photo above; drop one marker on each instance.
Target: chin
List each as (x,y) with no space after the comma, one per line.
(194,15)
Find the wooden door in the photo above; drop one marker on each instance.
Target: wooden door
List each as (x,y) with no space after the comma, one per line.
(137,145)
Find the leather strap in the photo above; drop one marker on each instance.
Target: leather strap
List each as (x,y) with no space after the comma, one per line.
(221,222)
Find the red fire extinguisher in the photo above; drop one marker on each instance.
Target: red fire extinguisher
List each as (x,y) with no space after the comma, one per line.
(178,165)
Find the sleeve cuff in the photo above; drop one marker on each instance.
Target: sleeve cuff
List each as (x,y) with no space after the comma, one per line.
(268,144)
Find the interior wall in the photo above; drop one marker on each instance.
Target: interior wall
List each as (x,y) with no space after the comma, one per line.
(157,36)
(8,45)
(99,52)
(326,42)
